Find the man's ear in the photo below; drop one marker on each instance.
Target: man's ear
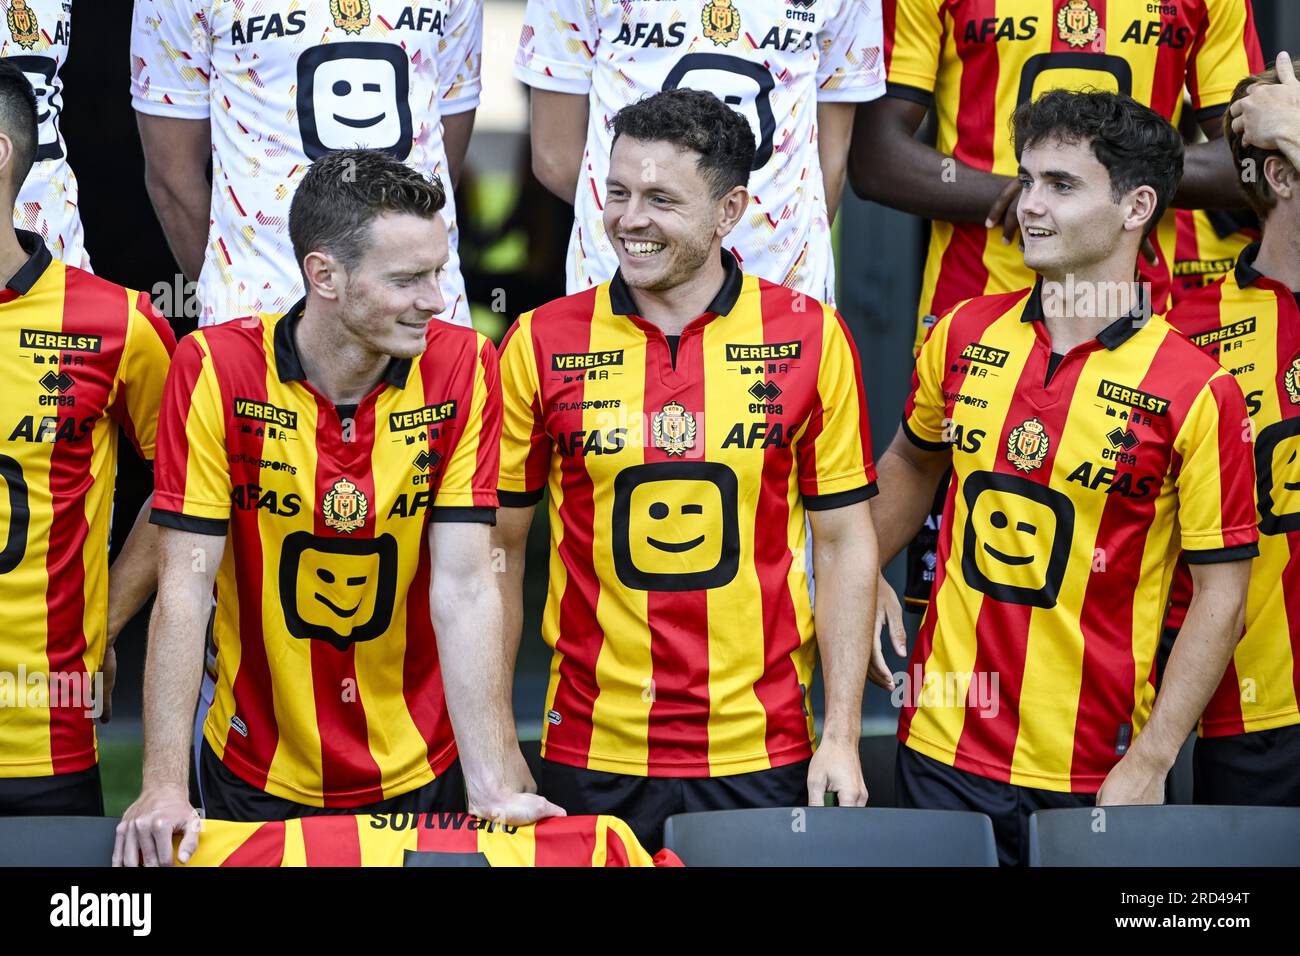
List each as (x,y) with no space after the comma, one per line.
(325,275)
(1281,177)
(732,207)
(7,158)
(1139,207)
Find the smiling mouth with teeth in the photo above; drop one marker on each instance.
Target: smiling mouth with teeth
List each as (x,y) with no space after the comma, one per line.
(642,249)
(1039,233)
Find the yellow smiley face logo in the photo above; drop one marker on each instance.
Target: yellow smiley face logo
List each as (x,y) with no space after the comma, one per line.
(1277,477)
(337,590)
(675,526)
(1017,540)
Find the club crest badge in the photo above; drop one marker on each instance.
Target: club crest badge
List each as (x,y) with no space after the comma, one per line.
(1292,381)
(673,429)
(345,507)
(1076,24)
(351,16)
(23,24)
(1027,445)
(721,21)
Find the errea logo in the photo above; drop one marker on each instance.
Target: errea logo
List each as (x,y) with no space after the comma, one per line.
(77,909)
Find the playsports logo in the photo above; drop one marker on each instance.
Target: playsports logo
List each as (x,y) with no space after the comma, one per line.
(77,909)
(943,689)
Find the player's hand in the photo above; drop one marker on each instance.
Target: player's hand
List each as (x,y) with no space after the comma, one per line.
(1003,211)
(145,833)
(836,768)
(511,808)
(1267,114)
(889,616)
(109,671)
(517,775)
(1134,780)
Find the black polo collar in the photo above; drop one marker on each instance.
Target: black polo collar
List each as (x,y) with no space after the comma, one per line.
(1244,271)
(621,302)
(1112,336)
(38,260)
(288,364)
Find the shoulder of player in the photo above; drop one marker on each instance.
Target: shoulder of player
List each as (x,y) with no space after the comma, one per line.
(971,317)
(1185,370)
(231,347)
(561,321)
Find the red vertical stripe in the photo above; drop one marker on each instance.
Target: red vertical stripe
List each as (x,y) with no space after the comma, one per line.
(240,360)
(1195,12)
(778,689)
(565,841)
(1223,713)
(487,462)
(615,851)
(580,639)
(332,841)
(678,732)
(349,772)
(1287,344)
(1109,671)
(95,306)
(263,847)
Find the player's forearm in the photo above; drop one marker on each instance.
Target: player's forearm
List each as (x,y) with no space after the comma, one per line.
(476,677)
(183,206)
(906,494)
(901,172)
(134,575)
(1200,656)
(172,675)
(558,132)
(846,571)
(1209,178)
(834,131)
(456,131)
(510,541)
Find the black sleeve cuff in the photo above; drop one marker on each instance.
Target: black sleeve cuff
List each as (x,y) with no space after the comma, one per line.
(519,499)
(920,442)
(840,499)
(1241,552)
(1211,112)
(913,93)
(464,515)
(184,522)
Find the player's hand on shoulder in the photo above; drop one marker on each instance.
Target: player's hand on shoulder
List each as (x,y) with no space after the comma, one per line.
(144,836)
(836,768)
(513,809)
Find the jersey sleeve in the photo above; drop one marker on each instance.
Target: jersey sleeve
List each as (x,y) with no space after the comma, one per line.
(191,471)
(525,445)
(142,375)
(833,449)
(913,35)
(468,490)
(925,410)
(1216,476)
(851,68)
(171,50)
(557,45)
(460,58)
(1225,51)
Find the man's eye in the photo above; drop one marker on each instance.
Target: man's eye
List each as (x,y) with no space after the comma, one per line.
(1062,187)
(1025,183)
(661,201)
(615,194)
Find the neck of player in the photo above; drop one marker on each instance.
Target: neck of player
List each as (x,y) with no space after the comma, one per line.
(1279,251)
(675,308)
(12,256)
(1079,303)
(338,366)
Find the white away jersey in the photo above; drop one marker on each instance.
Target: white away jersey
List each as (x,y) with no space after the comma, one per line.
(285,81)
(773,60)
(34,36)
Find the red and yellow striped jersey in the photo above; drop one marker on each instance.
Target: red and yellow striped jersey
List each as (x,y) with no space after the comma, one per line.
(678,609)
(975,61)
(85,358)
(1062,522)
(384,839)
(328,686)
(1207,246)
(1251,324)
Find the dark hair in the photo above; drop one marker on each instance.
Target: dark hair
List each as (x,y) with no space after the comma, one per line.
(1136,144)
(344,191)
(1255,187)
(698,121)
(18,119)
